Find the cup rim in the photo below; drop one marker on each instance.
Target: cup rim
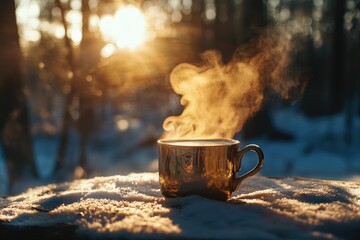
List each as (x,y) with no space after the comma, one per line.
(170,141)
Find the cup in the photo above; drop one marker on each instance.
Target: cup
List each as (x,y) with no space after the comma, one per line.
(205,167)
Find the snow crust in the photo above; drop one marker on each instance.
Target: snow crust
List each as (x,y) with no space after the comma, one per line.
(132,206)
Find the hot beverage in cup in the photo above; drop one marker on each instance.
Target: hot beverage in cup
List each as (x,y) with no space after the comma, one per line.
(206,167)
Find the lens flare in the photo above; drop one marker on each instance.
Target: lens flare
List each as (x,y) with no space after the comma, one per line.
(127,29)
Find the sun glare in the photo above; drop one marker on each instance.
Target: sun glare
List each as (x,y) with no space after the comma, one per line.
(127,28)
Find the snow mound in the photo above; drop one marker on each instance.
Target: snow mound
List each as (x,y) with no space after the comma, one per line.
(132,207)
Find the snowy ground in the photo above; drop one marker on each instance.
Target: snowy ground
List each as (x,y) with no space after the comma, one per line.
(319,149)
(132,207)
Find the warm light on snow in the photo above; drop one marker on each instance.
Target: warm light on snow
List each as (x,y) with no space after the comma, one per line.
(128,206)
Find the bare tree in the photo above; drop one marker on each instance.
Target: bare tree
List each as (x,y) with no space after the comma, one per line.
(70,101)
(89,58)
(14,126)
(80,93)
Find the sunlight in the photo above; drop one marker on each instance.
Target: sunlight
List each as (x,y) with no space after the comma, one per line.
(108,50)
(127,29)
(74,17)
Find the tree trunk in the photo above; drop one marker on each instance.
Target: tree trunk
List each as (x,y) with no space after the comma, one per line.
(14,124)
(338,86)
(89,57)
(70,101)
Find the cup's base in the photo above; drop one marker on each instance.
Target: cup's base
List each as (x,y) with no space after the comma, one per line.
(211,193)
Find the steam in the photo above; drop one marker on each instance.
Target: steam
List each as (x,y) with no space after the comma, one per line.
(218,98)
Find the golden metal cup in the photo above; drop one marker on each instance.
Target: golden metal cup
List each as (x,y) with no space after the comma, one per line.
(205,167)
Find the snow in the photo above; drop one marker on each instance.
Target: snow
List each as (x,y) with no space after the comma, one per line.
(46,157)
(3,173)
(276,203)
(318,149)
(131,206)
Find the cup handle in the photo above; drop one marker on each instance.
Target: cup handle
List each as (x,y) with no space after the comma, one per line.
(254,148)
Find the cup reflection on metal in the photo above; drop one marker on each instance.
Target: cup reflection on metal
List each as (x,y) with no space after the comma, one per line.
(205,167)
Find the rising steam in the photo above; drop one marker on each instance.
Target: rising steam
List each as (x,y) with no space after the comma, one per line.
(218,98)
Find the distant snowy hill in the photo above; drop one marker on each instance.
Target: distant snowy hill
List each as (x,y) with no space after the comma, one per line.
(132,206)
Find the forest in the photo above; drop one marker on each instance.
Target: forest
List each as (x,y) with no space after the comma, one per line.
(85,83)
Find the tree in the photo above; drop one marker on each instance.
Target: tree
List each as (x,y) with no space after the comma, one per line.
(80,93)
(14,126)
(86,123)
(337,103)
